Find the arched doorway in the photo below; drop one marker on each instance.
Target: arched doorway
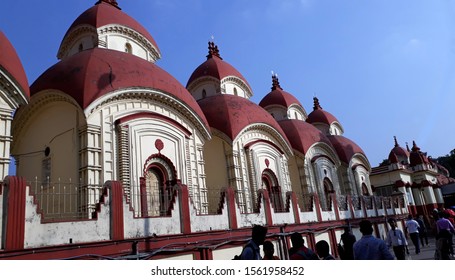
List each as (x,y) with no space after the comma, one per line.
(156,186)
(270,183)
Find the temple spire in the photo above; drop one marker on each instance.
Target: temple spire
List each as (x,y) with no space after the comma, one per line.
(112,2)
(316,104)
(396,142)
(275,82)
(213,50)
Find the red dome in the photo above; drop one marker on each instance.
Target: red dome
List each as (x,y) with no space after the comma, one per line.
(416,157)
(102,14)
(302,135)
(90,74)
(9,60)
(278,97)
(398,154)
(345,147)
(230,114)
(320,116)
(215,67)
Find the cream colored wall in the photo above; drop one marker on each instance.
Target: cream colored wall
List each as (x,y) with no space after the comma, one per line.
(215,163)
(53,125)
(208,86)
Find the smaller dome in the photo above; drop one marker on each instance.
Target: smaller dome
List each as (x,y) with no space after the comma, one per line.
(345,147)
(398,154)
(9,60)
(231,114)
(215,67)
(320,116)
(278,96)
(302,135)
(416,157)
(106,12)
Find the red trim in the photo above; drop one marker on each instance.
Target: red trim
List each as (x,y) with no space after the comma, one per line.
(117,220)
(267,206)
(184,199)
(335,205)
(232,213)
(148,115)
(317,206)
(295,206)
(15,188)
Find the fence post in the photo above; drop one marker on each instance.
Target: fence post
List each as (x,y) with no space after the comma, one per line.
(317,207)
(295,206)
(184,205)
(13,224)
(116,204)
(230,202)
(267,206)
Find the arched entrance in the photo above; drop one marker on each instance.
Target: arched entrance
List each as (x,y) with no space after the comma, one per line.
(270,183)
(156,186)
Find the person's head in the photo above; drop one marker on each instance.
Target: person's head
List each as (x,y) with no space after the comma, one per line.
(322,248)
(258,234)
(392,223)
(366,228)
(409,217)
(347,229)
(268,248)
(297,240)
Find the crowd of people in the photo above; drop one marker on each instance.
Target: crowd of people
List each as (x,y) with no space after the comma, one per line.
(368,247)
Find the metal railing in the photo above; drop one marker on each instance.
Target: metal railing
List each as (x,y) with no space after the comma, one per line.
(59,200)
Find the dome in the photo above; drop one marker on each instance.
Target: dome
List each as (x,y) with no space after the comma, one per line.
(215,67)
(302,135)
(416,157)
(105,13)
(345,147)
(10,62)
(278,96)
(90,74)
(398,154)
(320,116)
(230,114)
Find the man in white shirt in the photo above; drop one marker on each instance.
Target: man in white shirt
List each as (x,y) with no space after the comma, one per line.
(412,227)
(396,240)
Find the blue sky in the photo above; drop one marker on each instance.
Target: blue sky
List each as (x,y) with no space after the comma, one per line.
(384,68)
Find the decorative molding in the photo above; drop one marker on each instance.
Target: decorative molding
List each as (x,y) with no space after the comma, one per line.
(131,34)
(152,96)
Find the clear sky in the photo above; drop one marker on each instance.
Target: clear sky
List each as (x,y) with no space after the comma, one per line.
(383,68)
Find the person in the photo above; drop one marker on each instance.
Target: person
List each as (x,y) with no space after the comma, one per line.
(269,251)
(348,239)
(251,250)
(299,251)
(412,227)
(396,240)
(369,247)
(422,230)
(444,230)
(323,250)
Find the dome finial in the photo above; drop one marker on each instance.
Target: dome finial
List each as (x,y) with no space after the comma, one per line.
(112,2)
(316,104)
(396,142)
(275,81)
(414,147)
(213,50)
(407,147)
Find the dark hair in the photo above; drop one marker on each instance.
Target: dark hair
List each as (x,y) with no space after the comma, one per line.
(268,245)
(258,234)
(322,248)
(297,239)
(366,227)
